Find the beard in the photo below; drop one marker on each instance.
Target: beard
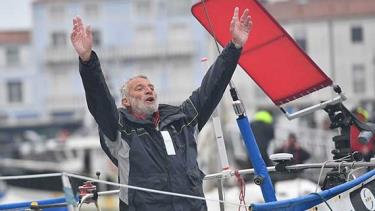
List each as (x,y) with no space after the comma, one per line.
(140,107)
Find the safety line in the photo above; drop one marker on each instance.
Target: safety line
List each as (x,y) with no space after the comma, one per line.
(32,176)
(151,190)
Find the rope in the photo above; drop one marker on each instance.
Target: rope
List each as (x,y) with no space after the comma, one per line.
(151,190)
(325,201)
(351,173)
(320,174)
(33,176)
(210,25)
(342,162)
(241,183)
(237,173)
(323,166)
(119,185)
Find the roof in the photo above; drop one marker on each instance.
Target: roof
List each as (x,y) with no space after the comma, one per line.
(320,9)
(15,37)
(59,1)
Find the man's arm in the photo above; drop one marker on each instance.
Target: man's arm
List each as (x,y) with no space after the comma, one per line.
(99,100)
(205,99)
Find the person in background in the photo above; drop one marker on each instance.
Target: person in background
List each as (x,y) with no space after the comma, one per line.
(154,145)
(292,146)
(300,155)
(366,149)
(264,132)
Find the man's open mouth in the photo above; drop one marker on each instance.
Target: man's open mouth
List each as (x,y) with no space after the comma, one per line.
(150,99)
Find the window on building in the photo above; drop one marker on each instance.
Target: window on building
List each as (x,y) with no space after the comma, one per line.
(178,31)
(359,78)
(357,34)
(180,63)
(142,7)
(14,91)
(299,35)
(302,43)
(12,56)
(178,8)
(62,115)
(3,117)
(145,35)
(91,10)
(60,82)
(97,37)
(58,39)
(162,6)
(56,12)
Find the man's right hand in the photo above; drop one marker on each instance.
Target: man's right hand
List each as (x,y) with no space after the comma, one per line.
(81,38)
(240,27)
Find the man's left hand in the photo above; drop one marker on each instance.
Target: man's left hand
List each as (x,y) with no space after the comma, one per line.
(240,27)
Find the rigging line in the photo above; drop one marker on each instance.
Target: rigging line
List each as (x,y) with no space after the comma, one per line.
(219,175)
(103,193)
(320,174)
(351,173)
(323,166)
(242,185)
(152,190)
(231,84)
(325,201)
(33,176)
(210,25)
(95,202)
(341,164)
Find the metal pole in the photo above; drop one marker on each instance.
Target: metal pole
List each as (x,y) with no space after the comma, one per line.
(218,130)
(220,189)
(220,146)
(262,177)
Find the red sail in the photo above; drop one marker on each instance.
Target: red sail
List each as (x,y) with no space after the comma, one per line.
(270,57)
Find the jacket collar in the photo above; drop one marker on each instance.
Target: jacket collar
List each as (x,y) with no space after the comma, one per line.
(167,114)
(131,118)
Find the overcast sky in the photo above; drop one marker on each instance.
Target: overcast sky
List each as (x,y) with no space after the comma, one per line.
(15,14)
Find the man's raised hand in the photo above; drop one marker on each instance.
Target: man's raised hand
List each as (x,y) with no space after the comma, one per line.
(240,27)
(81,38)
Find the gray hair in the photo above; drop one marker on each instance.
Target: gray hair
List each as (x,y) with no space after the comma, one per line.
(125,88)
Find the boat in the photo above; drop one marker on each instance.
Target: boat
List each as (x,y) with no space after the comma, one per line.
(349,183)
(74,155)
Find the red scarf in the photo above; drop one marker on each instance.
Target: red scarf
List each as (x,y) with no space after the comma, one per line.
(155,118)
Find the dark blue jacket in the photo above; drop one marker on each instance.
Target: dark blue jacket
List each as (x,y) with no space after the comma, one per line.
(137,147)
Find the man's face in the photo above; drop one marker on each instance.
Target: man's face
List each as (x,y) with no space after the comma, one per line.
(142,97)
(291,141)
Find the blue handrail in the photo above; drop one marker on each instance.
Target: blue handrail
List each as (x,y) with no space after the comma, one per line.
(41,202)
(311,200)
(256,159)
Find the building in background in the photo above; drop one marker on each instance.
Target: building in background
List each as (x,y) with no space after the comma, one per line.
(41,86)
(157,38)
(18,90)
